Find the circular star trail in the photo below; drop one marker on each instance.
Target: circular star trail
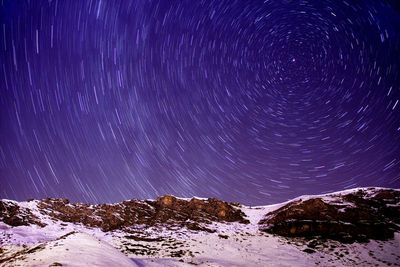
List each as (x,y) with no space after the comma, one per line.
(247,101)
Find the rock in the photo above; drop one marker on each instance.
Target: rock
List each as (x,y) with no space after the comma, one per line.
(167,210)
(166,201)
(356,216)
(13,215)
(309,250)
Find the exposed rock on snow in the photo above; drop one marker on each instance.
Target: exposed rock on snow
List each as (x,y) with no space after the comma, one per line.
(165,210)
(355,215)
(169,231)
(12,214)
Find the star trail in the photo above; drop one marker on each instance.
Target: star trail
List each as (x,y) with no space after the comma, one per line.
(247,101)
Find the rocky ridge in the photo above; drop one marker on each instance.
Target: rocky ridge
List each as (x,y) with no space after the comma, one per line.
(347,216)
(166,210)
(356,215)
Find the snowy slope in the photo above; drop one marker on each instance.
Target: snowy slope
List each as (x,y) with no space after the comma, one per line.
(75,249)
(208,250)
(223,244)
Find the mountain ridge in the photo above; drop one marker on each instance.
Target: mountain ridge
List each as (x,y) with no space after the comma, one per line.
(170,227)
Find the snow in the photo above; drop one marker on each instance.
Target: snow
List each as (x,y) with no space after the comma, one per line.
(240,249)
(150,262)
(233,244)
(78,249)
(267,250)
(190,198)
(33,234)
(255,214)
(246,250)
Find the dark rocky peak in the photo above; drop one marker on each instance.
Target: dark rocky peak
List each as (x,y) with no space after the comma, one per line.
(356,215)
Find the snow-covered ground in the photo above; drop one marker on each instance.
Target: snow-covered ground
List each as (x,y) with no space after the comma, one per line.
(244,249)
(232,244)
(77,249)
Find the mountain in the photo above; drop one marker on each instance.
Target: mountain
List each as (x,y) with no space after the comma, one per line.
(359,226)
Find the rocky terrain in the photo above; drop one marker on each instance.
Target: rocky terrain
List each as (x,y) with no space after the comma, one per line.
(357,226)
(166,210)
(356,216)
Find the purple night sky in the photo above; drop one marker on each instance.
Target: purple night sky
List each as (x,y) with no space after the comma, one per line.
(247,101)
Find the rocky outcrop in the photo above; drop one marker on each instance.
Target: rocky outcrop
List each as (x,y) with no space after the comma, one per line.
(355,216)
(166,210)
(12,214)
(199,210)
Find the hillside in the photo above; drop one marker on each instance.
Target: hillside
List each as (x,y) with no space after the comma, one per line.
(358,226)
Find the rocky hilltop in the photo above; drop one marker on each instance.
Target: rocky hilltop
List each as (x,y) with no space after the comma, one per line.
(354,227)
(166,210)
(348,216)
(356,215)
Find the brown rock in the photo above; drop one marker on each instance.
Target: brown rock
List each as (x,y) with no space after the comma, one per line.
(166,210)
(13,215)
(357,216)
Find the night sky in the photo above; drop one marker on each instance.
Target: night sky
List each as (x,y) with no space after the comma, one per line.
(248,101)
